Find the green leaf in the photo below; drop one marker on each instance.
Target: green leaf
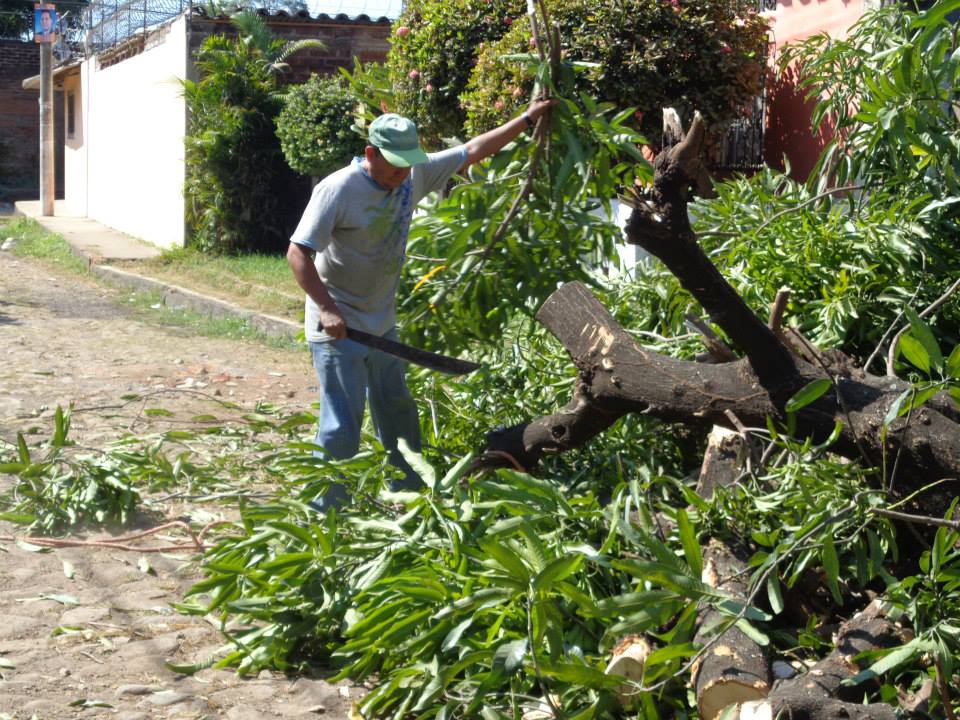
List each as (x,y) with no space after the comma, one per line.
(752,632)
(506,558)
(691,546)
(424,469)
(774,594)
(30,547)
(190,669)
(581,675)
(557,570)
(63,599)
(922,332)
(831,566)
(897,407)
(20,518)
(85,702)
(953,363)
(509,656)
(914,351)
(892,660)
(157,412)
(22,449)
(809,393)
(453,637)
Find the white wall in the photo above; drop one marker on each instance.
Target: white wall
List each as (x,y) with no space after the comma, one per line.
(134,120)
(74,148)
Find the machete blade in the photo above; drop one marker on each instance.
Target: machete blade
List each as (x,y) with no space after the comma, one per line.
(424,358)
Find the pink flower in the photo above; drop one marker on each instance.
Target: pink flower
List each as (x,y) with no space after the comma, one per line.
(508,21)
(676,5)
(428,88)
(517,92)
(414,74)
(402,31)
(725,49)
(498,105)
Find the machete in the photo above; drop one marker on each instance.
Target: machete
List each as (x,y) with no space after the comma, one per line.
(424,358)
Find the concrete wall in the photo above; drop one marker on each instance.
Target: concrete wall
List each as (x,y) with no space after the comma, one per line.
(130,155)
(788,129)
(75,154)
(124,164)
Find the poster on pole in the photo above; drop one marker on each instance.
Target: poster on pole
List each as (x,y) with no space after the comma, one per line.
(45,22)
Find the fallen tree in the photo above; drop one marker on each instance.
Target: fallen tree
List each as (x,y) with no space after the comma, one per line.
(850,410)
(616,376)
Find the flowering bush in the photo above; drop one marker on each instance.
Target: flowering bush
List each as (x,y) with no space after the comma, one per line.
(315,126)
(706,55)
(433,49)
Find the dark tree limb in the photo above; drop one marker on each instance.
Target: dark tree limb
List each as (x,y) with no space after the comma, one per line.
(617,377)
(661,227)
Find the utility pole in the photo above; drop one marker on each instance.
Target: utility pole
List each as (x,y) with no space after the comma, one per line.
(47,185)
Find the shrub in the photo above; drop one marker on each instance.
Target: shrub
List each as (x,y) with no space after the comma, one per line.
(704,55)
(434,47)
(701,55)
(315,126)
(240,194)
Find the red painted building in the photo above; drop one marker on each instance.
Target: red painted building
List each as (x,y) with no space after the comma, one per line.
(788,131)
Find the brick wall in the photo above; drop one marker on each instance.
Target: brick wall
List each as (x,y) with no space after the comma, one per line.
(344,40)
(20,124)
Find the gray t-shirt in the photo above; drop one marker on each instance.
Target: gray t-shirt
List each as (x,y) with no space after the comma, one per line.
(358,230)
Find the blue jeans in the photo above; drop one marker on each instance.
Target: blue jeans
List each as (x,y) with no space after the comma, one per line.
(350,374)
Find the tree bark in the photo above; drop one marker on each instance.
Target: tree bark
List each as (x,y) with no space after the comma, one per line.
(820,693)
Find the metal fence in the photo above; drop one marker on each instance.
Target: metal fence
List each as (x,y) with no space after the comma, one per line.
(741,147)
(108,22)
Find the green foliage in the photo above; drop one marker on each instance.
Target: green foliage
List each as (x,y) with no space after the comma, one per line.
(240,194)
(519,214)
(55,492)
(474,593)
(849,269)
(646,54)
(315,126)
(455,64)
(888,88)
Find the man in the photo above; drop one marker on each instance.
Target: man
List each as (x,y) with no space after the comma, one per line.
(347,253)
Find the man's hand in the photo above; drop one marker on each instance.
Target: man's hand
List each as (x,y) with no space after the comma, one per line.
(538,108)
(333,323)
(300,259)
(492,141)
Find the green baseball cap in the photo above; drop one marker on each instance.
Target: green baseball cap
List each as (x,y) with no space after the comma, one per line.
(396,138)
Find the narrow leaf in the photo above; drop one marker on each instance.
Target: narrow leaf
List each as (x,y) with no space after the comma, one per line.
(809,393)
(691,547)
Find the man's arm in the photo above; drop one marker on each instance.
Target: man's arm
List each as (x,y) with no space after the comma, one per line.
(490,142)
(300,260)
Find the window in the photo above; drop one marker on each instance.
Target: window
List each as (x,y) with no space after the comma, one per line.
(71,114)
